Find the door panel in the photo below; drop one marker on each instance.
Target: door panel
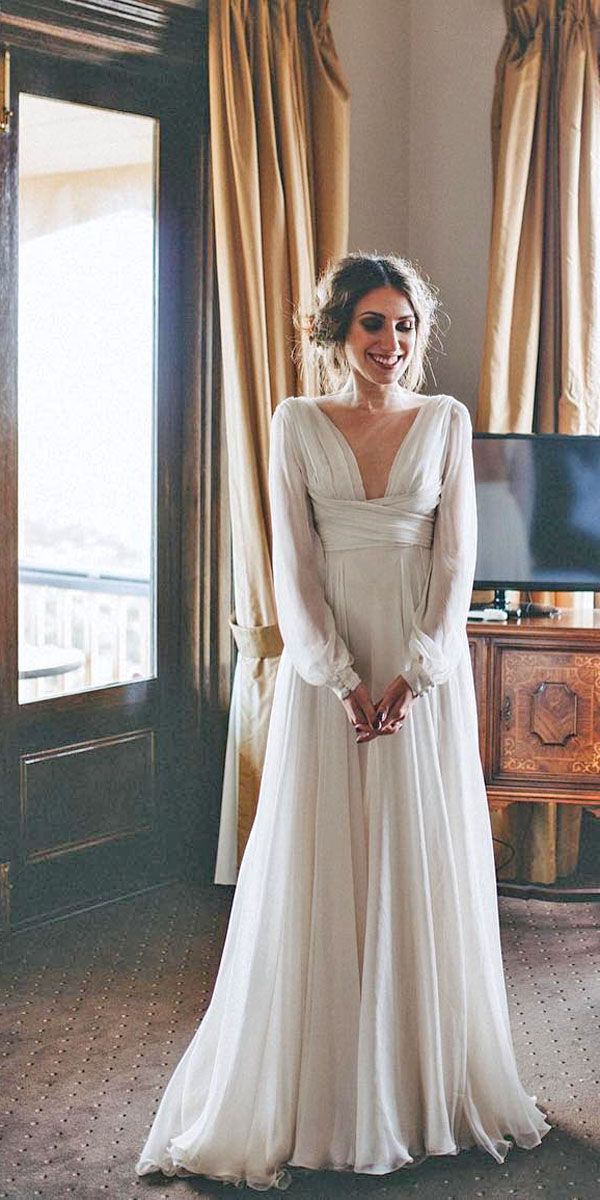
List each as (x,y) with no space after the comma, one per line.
(84,808)
(65,801)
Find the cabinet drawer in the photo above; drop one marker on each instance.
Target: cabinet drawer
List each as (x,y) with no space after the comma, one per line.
(547,716)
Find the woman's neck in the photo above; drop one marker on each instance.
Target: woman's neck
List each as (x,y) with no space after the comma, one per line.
(373,397)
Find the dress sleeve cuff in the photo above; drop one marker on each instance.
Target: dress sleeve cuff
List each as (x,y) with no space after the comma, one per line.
(346,680)
(425,664)
(417,679)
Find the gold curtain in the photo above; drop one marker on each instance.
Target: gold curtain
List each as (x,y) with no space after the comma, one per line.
(279,122)
(541,356)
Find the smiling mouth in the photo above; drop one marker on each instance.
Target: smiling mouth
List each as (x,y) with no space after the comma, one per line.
(386,360)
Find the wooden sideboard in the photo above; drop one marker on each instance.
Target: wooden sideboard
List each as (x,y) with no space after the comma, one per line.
(537,682)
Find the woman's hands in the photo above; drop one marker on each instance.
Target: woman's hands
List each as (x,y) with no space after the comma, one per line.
(361,712)
(387,716)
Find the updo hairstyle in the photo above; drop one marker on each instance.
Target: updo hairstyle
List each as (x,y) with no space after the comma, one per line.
(338,291)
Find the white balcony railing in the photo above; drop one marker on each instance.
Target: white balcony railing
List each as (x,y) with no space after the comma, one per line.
(108,619)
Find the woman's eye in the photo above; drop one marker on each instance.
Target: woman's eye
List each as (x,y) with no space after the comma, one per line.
(372,324)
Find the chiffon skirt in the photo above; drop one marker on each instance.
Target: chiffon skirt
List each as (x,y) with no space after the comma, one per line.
(359,1019)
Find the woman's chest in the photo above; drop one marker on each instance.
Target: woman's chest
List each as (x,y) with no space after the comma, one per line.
(374,441)
(358,462)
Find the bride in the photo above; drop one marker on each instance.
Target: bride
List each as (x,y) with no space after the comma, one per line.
(359,1018)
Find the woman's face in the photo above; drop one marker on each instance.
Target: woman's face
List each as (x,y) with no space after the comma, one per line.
(382,336)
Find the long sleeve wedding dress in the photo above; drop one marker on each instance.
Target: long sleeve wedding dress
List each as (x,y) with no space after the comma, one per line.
(359,1019)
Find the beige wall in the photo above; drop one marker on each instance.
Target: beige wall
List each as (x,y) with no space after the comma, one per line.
(373,41)
(421,73)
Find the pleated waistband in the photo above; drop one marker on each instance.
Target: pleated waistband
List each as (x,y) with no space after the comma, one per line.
(355,524)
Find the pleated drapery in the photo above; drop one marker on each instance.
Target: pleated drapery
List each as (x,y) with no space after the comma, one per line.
(279,121)
(541,355)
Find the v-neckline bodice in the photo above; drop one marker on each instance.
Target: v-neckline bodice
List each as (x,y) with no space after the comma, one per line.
(351,454)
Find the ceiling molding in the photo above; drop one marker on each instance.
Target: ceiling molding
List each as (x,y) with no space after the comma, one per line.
(107,30)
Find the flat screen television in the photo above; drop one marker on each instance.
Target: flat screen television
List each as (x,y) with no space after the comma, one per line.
(538,508)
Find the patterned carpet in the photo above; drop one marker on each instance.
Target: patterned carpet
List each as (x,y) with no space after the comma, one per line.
(97,1009)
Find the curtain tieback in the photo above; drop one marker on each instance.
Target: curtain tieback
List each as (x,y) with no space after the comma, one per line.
(257,641)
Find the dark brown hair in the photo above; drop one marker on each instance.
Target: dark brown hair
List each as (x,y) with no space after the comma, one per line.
(338,291)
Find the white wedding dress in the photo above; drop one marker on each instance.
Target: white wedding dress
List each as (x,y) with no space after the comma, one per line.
(359,1019)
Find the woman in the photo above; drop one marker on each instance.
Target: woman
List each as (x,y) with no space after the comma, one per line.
(359,1019)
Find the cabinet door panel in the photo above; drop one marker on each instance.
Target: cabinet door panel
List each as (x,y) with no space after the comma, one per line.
(547,725)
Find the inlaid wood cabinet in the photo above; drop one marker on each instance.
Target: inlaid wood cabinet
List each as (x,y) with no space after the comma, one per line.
(537,683)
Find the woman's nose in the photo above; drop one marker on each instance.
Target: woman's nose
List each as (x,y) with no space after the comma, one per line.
(390,340)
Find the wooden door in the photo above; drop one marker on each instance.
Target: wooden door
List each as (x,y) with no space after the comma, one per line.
(98,175)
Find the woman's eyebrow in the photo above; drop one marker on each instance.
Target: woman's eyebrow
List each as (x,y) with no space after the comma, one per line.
(370,312)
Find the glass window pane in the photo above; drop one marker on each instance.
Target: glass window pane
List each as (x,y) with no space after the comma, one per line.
(86,397)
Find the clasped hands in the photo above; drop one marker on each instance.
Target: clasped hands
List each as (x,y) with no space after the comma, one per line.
(371,720)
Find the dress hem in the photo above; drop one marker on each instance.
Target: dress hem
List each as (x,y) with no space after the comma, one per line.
(280,1179)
